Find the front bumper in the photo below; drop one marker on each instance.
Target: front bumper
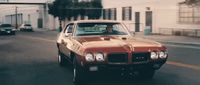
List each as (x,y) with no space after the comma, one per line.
(154,65)
(7,32)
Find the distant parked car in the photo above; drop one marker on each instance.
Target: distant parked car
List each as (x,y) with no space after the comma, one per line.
(26,27)
(7,29)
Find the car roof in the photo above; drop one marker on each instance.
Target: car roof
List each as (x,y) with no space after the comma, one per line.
(95,21)
(5,25)
(26,24)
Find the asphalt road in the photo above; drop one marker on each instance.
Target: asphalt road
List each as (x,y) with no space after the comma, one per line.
(29,58)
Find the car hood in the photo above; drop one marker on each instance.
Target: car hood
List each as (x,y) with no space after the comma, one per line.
(115,41)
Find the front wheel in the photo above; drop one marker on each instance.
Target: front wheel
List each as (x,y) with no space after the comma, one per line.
(61,59)
(77,73)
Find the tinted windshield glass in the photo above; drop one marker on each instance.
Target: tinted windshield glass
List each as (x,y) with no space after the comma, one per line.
(6,25)
(100,29)
(27,25)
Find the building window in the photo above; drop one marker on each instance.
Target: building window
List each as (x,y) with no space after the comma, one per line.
(127,13)
(110,14)
(105,13)
(11,19)
(189,15)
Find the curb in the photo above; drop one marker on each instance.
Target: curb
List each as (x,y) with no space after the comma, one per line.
(174,42)
(179,43)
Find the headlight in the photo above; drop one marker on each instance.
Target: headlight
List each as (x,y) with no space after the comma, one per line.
(2,30)
(154,55)
(163,54)
(99,57)
(89,57)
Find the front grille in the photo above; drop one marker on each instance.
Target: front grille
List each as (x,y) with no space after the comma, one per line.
(140,57)
(118,58)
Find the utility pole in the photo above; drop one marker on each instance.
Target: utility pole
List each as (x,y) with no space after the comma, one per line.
(29,19)
(60,19)
(16,20)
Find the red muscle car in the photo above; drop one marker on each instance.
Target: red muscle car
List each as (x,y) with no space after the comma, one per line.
(101,45)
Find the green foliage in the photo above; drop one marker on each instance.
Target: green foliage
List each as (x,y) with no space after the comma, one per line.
(69,8)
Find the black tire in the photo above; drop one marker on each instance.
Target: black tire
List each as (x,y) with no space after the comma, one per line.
(13,33)
(147,74)
(61,59)
(77,73)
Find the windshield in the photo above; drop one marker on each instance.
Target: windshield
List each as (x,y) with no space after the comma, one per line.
(85,29)
(27,25)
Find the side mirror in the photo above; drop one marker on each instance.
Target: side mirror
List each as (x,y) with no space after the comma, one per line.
(68,34)
(132,33)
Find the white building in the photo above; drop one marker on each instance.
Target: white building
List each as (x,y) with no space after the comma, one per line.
(36,15)
(26,14)
(162,16)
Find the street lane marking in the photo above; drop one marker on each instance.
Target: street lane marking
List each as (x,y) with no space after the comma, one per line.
(37,38)
(168,62)
(184,65)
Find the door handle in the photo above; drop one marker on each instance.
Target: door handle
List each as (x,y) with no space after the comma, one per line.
(63,42)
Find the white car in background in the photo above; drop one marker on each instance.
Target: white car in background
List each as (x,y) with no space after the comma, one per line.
(26,27)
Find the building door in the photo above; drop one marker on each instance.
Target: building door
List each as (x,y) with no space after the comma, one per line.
(149,20)
(40,23)
(137,21)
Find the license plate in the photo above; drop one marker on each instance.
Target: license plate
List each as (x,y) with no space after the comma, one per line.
(8,31)
(93,68)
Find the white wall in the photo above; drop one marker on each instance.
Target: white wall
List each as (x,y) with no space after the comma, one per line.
(165,12)
(53,23)
(24,9)
(167,17)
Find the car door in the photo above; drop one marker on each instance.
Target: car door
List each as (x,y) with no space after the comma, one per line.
(66,42)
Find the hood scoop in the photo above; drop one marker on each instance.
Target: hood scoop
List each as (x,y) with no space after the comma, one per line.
(124,38)
(106,38)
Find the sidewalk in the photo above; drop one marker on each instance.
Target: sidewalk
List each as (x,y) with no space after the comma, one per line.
(181,40)
(41,29)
